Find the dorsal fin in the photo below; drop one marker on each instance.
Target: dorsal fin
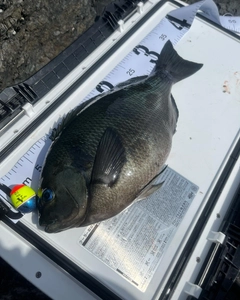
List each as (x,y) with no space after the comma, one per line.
(131,81)
(73,113)
(70,117)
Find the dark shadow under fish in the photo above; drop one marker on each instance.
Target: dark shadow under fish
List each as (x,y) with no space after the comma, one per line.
(108,152)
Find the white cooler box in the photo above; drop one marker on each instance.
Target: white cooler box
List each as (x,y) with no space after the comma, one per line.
(183,241)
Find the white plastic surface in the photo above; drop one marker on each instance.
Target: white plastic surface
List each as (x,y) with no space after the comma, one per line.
(202,247)
(216,237)
(40,270)
(208,127)
(192,289)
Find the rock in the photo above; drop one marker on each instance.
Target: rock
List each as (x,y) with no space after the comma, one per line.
(224,6)
(32,33)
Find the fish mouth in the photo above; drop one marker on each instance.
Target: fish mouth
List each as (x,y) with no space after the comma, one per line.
(53,227)
(57,225)
(48,226)
(54,218)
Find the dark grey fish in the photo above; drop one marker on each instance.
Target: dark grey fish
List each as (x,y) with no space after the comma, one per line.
(107,152)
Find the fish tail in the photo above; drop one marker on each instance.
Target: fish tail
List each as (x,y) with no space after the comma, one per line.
(174,66)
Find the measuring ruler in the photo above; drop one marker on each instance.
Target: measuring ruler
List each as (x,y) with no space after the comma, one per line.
(138,62)
(173,27)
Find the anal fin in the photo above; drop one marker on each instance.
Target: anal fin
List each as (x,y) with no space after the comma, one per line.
(151,187)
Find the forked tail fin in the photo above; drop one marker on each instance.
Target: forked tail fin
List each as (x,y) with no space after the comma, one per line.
(174,66)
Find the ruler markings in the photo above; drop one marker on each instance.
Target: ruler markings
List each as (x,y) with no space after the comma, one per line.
(28,159)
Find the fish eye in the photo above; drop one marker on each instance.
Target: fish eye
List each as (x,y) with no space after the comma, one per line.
(48,195)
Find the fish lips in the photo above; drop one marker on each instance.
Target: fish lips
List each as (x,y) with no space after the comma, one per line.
(54,226)
(62,213)
(56,222)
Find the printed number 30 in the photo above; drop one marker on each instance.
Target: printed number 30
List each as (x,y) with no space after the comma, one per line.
(163,37)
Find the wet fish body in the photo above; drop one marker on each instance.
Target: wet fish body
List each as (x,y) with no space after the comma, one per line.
(107,152)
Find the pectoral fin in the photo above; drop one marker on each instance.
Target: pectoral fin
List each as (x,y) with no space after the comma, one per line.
(109,160)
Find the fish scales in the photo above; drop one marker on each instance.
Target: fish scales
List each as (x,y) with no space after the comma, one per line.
(108,155)
(144,145)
